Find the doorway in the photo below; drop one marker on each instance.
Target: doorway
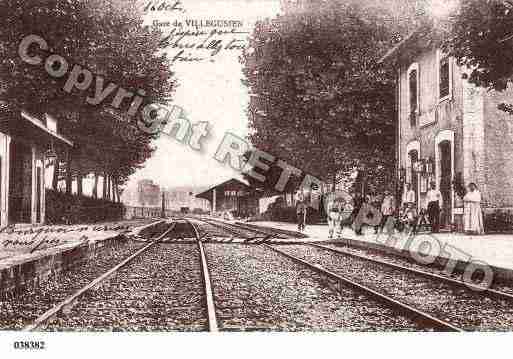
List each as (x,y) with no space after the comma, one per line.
(20,183)
(414,177)
(445,184)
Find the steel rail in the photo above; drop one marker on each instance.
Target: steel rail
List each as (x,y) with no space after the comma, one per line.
(476,288)
(68,302)
(270,232)
(284,232)
(207,282)
(229,228)
(419,315)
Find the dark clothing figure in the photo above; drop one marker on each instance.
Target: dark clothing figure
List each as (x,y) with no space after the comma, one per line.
(433,211)
(358,202)
(301,216)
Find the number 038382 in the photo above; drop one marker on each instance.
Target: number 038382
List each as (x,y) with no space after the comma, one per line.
(29,345)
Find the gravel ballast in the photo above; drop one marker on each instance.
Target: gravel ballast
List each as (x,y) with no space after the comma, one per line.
(258,289)
(462,307)
(18,312)
(161,290)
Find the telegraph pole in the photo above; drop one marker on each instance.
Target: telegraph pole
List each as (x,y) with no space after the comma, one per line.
(163,213)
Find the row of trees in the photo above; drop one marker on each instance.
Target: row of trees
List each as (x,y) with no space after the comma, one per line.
(319,99)
(108,38)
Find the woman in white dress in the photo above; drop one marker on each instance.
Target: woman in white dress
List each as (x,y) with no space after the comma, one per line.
(334,216)
(473,216)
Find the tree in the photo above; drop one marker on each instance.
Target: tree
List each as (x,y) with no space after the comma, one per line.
(318,99)
(108,38)
(479,34)
(271,177)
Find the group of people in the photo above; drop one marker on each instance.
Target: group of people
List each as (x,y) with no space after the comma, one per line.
(473,222)
(377,211)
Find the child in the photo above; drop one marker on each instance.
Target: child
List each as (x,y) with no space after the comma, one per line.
(410,218)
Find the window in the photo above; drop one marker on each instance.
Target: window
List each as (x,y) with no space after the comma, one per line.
(413,93)
(444,76)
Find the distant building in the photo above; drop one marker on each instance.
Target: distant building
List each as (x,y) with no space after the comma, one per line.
(148,194)
(448,129)
(179,197)
(232,196)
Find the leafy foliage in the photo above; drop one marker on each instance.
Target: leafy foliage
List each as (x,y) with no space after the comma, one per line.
(318,99)
(108,38)
(62,208)
(480,36)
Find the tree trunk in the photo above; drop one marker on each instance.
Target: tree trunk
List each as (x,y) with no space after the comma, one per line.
(69,179)
(115,190)
(95,186)
(55,179)
(79,184)
(104,194)
(108,187)
(118,191)
(112,189)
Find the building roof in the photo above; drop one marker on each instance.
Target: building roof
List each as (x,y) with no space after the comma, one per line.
(398,47)
(24,125)
(412,43)
(231,183)
(38,124)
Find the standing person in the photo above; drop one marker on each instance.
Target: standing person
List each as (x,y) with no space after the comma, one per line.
(434,202)
(387,208)
(473,216)
(408,195)
(301,215)
(376,201)
(410,218)
(334,209)
(358,201)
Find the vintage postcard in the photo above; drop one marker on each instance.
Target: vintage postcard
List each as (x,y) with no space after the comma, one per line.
(242,167)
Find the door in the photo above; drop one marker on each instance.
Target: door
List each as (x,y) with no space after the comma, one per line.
(445,182)
(414,177)
(20,183)
(38,193)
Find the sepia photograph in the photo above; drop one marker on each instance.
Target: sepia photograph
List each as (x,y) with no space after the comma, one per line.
(270,173)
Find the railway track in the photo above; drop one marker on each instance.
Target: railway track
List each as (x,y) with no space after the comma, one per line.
(425,319)
(424,296)
(156,288)
(248,234)
(180,280)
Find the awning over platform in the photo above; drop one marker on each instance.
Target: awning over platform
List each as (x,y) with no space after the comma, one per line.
(26,126)
(230,185)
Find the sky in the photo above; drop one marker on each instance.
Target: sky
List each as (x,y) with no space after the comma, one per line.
(208,91)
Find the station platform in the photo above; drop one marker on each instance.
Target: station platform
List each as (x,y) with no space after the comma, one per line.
(494,250)
(23,239)
(30,253)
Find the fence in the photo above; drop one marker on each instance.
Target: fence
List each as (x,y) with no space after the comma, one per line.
(132,212)
(62,208)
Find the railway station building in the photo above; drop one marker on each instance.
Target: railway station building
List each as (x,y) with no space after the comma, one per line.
(448,129)
(231,196)
(27,147)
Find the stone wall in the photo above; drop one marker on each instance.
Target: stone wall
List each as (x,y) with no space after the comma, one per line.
(21,273)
